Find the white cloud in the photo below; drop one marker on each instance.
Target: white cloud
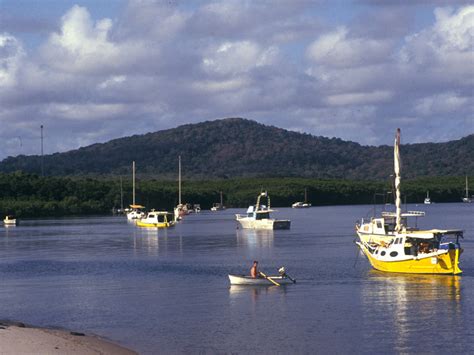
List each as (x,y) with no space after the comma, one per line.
(238,57)
(442,103)
(82,45)
(337,49)
(11,55)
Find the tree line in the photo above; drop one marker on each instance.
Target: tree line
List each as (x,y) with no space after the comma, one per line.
(30,195)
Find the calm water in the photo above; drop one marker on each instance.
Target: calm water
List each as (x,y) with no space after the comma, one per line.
(168,291)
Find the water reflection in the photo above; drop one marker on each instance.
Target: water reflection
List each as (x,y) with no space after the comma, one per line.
(253,238)
(403,305)
(149,239)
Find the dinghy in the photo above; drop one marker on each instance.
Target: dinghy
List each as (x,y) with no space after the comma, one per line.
(249,280)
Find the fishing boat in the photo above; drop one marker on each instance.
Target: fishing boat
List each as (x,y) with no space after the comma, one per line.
(304,204)
(218,206)
(258,281)
(258,216)
(409,250)
(156,219)
(427,200)
(466,198)
(135,211)
(9,221)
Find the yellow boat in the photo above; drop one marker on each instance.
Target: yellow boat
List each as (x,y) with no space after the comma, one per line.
(423,252)
(391,246)
(156,219)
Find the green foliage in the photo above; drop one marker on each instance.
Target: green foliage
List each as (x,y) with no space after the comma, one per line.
(28,195)
(235,148)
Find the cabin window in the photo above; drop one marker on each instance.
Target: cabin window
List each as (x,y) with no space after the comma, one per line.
(151,216)
(393,254)
(263,216)
(382,253)
(161,219)
(379,224)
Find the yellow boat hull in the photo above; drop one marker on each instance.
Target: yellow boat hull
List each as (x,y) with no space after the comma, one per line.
(442,264)
(154,225)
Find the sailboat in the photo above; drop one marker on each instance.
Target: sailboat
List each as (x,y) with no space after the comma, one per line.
(427,199)
(304,204)
(135,211)
(218,206)
(397,248)
(467,199)
(181,209)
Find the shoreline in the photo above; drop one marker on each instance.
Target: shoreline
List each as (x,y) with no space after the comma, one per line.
(18,337)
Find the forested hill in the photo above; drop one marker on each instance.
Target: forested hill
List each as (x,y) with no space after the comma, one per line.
(236,147)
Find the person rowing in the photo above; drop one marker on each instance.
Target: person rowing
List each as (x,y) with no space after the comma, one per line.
(254,273)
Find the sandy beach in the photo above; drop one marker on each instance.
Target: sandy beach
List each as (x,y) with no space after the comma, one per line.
(18,338)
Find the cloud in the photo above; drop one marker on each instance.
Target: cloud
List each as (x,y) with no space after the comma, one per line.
(356,73)
(11,55)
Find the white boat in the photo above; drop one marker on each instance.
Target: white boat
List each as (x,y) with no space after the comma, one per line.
(466,198)
(181,209)
(427,199)
(258,217)
(258,281)
(135,211)
(304,204)
(156,219)
(218,206)
(397,248)
(9,221)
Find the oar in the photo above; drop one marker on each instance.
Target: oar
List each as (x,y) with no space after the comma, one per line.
(269,279)
(291,279)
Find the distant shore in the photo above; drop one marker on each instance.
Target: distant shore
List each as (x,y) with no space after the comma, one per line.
(19,338)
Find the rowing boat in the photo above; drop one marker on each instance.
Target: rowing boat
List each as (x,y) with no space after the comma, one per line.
(249,280)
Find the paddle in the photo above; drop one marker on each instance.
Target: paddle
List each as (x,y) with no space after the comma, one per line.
(284,274)
(269,279)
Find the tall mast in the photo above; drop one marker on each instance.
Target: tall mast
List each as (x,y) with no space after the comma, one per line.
(42,158)
(179,179)
(467,189)
(397,166)
(222,201)
(133,182)
(305,194)
(121,194)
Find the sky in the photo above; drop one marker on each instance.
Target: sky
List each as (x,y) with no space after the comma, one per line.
(91,71)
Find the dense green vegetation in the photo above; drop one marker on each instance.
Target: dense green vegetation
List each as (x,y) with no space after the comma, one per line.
(29,195)
(236,148)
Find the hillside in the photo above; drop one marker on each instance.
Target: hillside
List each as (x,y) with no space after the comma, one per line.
(236,147)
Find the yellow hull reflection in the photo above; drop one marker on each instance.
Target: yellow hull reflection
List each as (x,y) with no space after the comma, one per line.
(441,264)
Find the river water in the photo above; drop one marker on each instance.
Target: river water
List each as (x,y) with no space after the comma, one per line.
(167,291)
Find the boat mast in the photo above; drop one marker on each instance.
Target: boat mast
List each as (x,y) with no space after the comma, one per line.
(179,179)
(467,189)
(305,195)
(133,181)
(121,194)
(396,165)
(222,201)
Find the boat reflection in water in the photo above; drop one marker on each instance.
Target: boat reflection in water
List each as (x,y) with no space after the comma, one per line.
(255,238)
(412,309)
(148,239)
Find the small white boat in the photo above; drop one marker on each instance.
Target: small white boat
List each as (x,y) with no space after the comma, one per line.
(304,204)
(218,206)
(427,198)
(467,199)
(9,221)
(258,217)
(135,212)
(258,281)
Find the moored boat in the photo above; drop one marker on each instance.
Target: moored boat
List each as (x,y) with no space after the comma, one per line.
(304,204)
(258,217)
(218,206)
(397,248)
(9,221)
(258,281)
(156,219)
(427,200)
(467,199)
